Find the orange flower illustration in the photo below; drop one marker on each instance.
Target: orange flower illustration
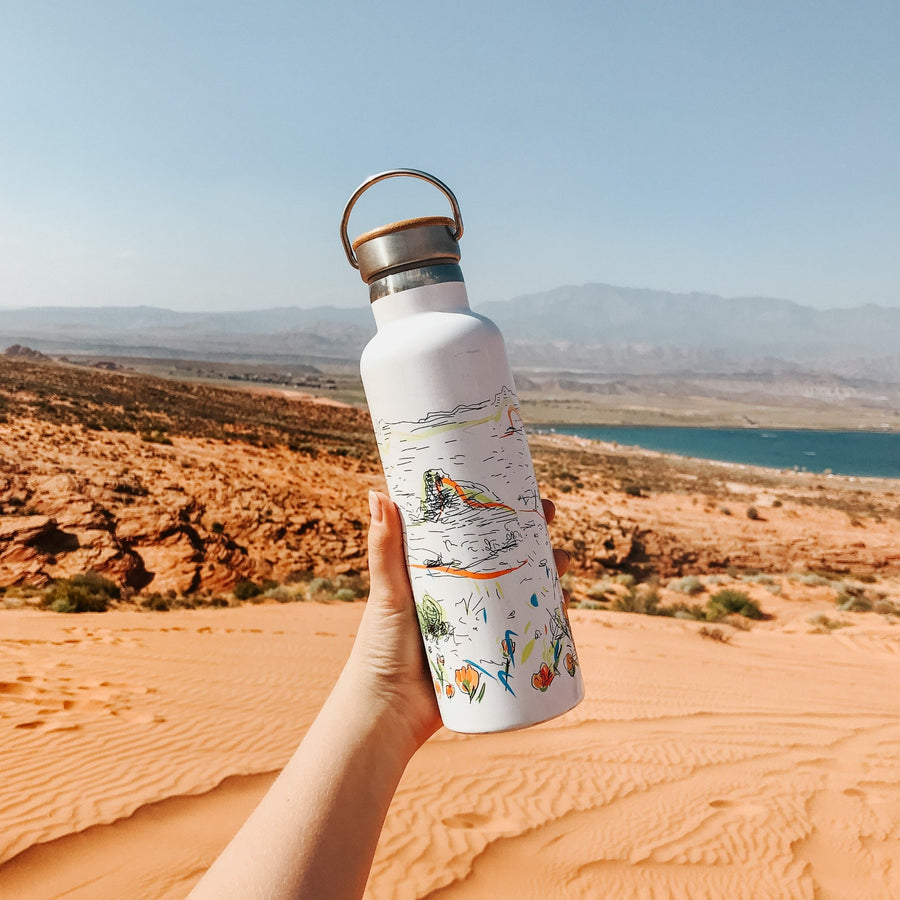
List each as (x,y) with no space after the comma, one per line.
(467,679)
(450,691)
(571,662)
(543,678)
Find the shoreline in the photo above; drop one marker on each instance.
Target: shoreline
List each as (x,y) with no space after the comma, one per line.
(673,456)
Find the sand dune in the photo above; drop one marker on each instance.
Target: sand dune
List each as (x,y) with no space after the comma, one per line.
(134,744)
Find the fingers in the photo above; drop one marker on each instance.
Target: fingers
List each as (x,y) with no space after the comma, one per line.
(389,581)
(549,510)
(562,559)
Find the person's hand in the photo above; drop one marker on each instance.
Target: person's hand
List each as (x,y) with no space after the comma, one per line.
(388,660)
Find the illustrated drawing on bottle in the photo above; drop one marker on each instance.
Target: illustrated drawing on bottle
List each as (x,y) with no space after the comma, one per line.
(457,464)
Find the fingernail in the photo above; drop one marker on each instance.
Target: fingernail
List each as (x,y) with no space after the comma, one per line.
(375,507)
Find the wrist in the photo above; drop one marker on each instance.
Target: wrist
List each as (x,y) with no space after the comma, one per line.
(376,711)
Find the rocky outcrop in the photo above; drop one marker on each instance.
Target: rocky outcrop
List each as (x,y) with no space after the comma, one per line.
(196,515)
(17,351)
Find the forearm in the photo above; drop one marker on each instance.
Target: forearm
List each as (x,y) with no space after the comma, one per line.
(314,833)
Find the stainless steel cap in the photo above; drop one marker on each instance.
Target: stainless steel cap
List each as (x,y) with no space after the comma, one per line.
(412,243)
(429,244)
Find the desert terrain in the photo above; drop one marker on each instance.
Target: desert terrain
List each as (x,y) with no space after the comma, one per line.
(745,746)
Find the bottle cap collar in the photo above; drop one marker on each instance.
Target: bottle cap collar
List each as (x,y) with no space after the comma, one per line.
(411,243)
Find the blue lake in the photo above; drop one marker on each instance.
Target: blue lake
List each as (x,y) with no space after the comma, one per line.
(874,454)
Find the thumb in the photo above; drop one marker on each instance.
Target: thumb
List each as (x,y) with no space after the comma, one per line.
(388,577)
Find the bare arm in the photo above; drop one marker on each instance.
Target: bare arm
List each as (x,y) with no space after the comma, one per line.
(314,833)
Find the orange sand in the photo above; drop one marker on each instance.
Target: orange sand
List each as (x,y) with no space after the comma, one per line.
(134,744)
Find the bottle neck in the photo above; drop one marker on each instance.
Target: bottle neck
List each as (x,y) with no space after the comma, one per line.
(445,296)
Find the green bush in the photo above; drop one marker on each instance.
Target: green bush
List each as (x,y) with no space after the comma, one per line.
(852,600)
(156,602)
(687,611)
(689,585)
(645,601)
(246,590)
(729,601)
(87,592)
(345,594)
(319,587)
(284,594)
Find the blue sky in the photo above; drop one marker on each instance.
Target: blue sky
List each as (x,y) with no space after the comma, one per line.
(198,155)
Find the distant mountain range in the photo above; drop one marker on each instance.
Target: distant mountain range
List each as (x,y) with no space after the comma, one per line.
(595,327)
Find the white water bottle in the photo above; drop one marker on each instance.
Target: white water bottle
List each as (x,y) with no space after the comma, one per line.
(453,447)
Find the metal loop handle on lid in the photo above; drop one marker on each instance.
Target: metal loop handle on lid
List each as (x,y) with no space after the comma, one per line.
(393,173)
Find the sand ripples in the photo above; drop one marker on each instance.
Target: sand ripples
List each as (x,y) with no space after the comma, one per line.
(766,768)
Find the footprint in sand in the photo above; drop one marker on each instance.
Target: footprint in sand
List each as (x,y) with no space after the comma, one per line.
(35,723)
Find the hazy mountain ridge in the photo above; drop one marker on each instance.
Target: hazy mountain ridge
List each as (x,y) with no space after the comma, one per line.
(595,327)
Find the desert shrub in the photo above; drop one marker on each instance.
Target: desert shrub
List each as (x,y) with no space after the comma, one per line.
(305,448)
(725,510)
(625,580)
(598,591)
(87,592)
(866,578)
(715,634)
(689,585)
(771,585)
(758,578)
(285,594)
(320,587)
(589,604)
(646,602)
(752,513)
(155,437)
(633,490)
(812,579)
(853,600)
(739,623)
(886,608)
(156,602)
(728,601)
(687,611)
(300,576)
(355,582)
(776,504)
(823,624)
(246,590)
(345,594)
(217,528)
